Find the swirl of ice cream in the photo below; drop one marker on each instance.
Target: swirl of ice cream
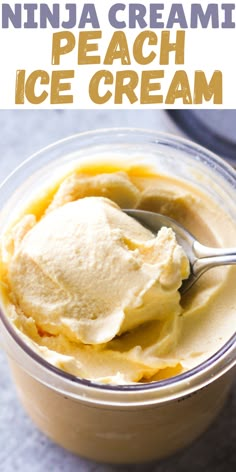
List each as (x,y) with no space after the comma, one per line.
(96,294)
(90,272)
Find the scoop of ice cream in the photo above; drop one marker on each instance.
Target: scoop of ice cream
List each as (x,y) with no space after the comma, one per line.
(90,272)
(116,186)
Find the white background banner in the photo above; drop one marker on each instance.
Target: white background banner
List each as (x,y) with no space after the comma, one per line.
(205,77)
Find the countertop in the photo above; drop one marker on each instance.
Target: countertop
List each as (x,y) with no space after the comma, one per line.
(22,447)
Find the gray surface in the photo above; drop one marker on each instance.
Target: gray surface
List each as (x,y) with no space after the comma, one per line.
(22,446)
(222,122)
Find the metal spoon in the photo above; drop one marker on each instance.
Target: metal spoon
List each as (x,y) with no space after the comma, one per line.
(201,258)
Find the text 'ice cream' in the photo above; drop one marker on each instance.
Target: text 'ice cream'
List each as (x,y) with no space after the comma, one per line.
(95,292)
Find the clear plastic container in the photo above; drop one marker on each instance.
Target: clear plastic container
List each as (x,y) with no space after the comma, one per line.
(119,424)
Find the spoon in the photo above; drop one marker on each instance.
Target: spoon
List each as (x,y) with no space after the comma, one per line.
(201,258)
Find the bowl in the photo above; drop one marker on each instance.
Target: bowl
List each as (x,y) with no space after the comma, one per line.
(128,423)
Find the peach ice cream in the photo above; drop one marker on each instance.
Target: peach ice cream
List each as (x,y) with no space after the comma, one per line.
(96,293)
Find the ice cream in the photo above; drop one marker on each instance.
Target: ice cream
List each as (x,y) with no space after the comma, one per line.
(90,272)
(96,293)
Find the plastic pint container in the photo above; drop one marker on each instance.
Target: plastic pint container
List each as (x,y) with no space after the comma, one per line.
(128,423)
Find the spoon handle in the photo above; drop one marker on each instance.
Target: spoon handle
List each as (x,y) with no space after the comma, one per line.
(201,251)
(201,265)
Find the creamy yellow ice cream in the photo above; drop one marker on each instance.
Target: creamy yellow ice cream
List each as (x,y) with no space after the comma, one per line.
(96,293)
(90,272)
